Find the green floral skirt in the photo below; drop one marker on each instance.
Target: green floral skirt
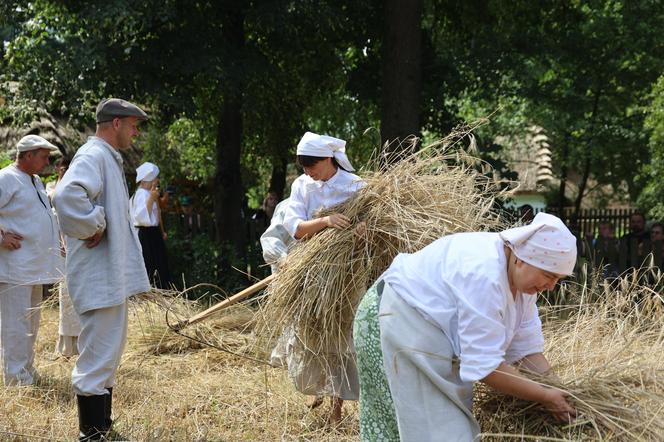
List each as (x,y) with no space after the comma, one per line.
(378,420)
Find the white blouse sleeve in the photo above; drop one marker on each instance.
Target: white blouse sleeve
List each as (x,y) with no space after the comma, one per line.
(528,338)
(140,216)
(275,239)
(481,329)
(74,199)
(297,209)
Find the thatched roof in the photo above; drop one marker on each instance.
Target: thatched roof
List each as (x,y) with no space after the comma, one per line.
(62,134)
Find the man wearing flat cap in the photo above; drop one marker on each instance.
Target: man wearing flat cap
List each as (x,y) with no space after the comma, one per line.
(104,261)
(29,256)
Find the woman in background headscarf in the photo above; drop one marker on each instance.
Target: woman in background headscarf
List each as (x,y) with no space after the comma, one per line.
(461,310)
(327,181)
(146,217)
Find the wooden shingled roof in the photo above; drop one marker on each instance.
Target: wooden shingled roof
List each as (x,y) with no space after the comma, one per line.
(62,134)
(529,156)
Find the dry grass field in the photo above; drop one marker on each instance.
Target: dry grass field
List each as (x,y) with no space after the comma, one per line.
(604,342)
(170,390)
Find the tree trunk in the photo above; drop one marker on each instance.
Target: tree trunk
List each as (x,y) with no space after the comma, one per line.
(229,192)
(278,177)
(402,73)
(582,187)
(588,155)
(563,176)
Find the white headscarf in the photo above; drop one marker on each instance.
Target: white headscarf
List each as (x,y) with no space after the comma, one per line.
(146,172)
(546,243)
(315,145)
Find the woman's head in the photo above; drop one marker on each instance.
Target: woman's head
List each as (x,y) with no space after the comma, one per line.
(527,278)
(147,173)
(544,251)
(314,149)
(61,166)
(318,168)
(270,201)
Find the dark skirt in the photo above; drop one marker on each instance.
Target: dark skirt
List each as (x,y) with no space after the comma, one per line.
(154,256)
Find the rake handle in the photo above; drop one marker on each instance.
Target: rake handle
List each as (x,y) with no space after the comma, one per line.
(225,303)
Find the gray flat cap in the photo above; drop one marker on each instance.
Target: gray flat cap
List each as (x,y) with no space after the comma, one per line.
(118,108)
(34,142)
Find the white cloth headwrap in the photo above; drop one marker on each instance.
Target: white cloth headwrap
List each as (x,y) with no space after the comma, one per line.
(315,145)
(146,172)
(546,243)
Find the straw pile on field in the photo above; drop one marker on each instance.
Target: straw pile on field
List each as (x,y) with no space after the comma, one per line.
(405,206)
(606,350)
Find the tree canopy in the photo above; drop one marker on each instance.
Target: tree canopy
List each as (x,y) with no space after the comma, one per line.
(231,86)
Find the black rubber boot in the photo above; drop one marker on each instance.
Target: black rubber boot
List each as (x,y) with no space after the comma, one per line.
(108,421)
(91,416)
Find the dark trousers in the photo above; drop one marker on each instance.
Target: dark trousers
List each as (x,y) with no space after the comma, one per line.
(154,256)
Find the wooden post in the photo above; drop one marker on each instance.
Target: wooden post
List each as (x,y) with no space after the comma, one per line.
(225,303)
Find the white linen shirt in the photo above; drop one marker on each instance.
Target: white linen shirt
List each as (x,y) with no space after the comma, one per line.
(92,195)
(459,283)
(140,216)
(25,210)
(276,241)
(308,196)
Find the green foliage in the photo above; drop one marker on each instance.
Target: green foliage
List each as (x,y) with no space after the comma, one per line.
(592,66)
(652,197)
(5,161)
(192,260)
(581,70)
(186,151)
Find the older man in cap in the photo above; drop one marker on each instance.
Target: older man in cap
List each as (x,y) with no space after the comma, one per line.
(29,256)
(104,260)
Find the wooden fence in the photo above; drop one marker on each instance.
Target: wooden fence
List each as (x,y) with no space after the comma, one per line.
(586,223)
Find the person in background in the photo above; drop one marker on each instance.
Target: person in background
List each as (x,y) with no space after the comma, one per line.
(104,260)
(166,201)
(60,166)
(69,326)
(146,217)
(262,217)
(634,246)
(327,181)
(657,239)
(29,256)
(526,213)
(606,249)
(657,232)
(461,310)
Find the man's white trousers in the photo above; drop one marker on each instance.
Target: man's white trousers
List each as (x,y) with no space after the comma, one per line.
(100,344)
(19,323)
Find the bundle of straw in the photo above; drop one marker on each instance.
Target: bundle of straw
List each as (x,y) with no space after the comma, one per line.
(427,194)
(607,354)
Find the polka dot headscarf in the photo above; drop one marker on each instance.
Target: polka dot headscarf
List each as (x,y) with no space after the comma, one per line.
(546,243)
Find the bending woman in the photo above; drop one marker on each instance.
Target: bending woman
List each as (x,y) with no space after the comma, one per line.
(327,181)
(461,310)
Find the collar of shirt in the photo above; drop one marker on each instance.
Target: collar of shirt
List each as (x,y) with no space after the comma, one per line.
(114,152)
(334,179)
(21,174)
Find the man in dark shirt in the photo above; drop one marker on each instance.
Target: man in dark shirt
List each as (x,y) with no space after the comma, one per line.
(636,244)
